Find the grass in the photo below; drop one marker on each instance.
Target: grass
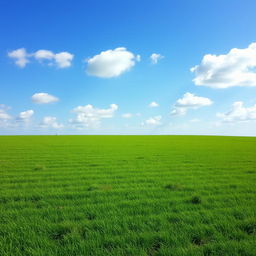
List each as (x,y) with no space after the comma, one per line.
(127,195)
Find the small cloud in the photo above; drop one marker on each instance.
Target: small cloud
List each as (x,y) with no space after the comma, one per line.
(20,56)
(44,54)
(155,57)
(127,115)
(25,116)
(5,118)
(63,59)
(189,101)
(153,104)
(111,63)
(156,120)
(4,115)
(238,113)
(51,122)
(43,98)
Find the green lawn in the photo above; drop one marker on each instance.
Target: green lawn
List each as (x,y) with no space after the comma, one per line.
(127,195)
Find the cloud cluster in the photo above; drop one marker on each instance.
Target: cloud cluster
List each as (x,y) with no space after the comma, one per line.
(7,120)
(89,116)
(155,57)
(153,104)
(111,63)
(60,60)
(51,122)
(43,98)
(24,118)
(238,113)
(236,68)
(189,101)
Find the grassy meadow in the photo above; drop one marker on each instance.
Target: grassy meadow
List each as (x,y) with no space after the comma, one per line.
(127,195)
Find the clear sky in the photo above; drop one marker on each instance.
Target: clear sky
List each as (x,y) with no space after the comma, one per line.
(128,67)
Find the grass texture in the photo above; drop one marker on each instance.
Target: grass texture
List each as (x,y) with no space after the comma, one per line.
(127,196)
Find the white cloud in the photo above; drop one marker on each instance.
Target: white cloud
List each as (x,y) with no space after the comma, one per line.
(4,115)
(43,98)
(239,113)
(156,120)
(25,116)
(155,57)
(127,115)
(51,122)
(236,68)
(61,59)
(189,101)
(88,116)
(20,56)
(44,54)
(5,118)
(153,104)
(111,63)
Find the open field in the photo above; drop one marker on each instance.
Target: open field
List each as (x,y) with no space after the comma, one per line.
(127,195)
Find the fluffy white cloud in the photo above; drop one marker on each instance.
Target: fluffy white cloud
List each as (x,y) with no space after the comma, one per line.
(44,54)
(111,63)
(88,116)
(20,56)
(127,115)
(155,57)
(156,120)
(61,60)
(189,101)
(51,122)
(25,116)
(43,98)
(153,104)
(236,68)
(239,113)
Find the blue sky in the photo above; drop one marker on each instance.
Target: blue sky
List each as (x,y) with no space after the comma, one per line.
(94,67)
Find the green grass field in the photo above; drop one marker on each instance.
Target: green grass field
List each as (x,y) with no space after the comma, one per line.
(127,195)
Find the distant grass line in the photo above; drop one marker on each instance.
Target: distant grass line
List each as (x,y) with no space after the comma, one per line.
(127,195)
